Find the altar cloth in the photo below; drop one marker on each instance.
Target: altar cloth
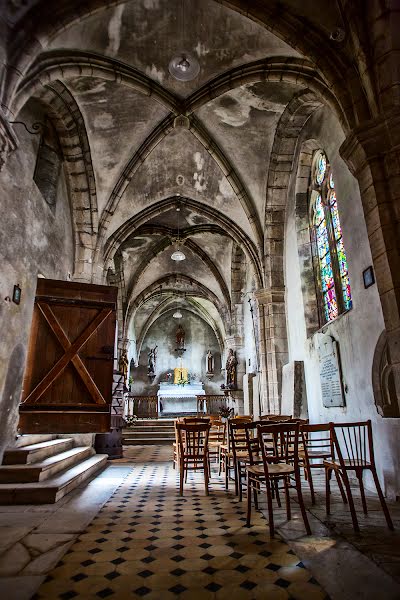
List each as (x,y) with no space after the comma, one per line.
(179,398)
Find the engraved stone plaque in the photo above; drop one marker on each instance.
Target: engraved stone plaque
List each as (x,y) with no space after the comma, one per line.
(330,375)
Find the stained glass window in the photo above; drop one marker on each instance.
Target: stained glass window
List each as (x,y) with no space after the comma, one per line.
(333,272)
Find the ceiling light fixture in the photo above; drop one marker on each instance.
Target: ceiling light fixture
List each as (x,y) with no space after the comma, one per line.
(177,314)
(184,66)
(178,255)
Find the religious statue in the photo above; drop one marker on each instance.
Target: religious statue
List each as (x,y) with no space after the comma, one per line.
(180,337)
(230,367)
(210,362)
(123,364)
(151,364)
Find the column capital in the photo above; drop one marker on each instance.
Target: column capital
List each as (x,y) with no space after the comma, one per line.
(233,341)
(372,139)
(270,295)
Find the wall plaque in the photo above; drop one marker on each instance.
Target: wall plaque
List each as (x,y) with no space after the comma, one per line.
(330,373)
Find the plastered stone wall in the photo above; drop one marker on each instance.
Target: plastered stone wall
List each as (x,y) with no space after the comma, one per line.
(34,239)
(199,338)
(356,331)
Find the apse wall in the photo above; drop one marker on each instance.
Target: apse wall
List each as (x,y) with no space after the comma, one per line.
(199,338)
(36,239)
(358,330)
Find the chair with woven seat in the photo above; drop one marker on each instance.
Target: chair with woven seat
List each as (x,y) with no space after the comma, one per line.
(279,444)
(353,450)
(193,451)
(175,445)
(216,439)
(234,448)
(316,447)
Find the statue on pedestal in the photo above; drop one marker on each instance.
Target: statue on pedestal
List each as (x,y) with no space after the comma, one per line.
(151,364)
(123,365)
(231,371)
(210,363)
(180,338)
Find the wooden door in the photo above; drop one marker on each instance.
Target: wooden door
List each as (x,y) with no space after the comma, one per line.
(67,385)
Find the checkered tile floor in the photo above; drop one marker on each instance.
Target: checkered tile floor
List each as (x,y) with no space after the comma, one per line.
(148,542)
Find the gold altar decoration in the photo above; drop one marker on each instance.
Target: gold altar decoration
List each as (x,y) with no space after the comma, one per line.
(180,374)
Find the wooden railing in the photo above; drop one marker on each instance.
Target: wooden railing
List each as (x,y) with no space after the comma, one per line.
(210,404)
(141,406)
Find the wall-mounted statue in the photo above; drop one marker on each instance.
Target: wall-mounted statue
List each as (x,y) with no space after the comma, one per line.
(123,365)
(180,337)
(210,362)
(231,371)
(151,358)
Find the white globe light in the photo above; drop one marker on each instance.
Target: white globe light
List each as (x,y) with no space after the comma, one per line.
(178,255)
(177,314)
(184,67)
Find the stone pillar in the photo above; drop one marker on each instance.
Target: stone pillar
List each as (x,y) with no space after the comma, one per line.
(372,153)
(273,346)
(248,393)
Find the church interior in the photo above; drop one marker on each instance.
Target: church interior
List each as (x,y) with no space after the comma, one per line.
(200,230)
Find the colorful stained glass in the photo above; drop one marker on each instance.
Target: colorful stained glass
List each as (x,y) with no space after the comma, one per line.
(330,305)
(321,169)
(319,212)
(322,239)
(337,229)
(327,280)
(331,183)
(342,260)
(347,301)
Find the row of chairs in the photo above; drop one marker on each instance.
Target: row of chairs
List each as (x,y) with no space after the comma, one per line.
(269,453)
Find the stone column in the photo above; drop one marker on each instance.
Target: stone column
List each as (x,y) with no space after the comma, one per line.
(372,153)
(273,346)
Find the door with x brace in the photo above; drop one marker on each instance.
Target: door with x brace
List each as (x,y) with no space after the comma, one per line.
(69,372)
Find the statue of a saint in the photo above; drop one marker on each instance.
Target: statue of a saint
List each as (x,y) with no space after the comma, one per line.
(151,358)
(210,362)
(123,364)
(180,337)
(230,367)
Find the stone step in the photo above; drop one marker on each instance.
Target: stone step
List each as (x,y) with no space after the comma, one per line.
(31,438)
(40,471)
(150,441)
(155,422)
(160,428)
(52,490)
(168,435)
(36,452)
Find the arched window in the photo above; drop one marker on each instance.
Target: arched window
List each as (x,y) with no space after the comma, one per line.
(331,263)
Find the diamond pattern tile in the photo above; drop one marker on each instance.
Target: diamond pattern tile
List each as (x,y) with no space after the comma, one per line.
(148,542)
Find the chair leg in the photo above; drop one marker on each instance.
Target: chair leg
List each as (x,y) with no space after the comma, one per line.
(235,473)
(382,499)
(278,499)
(346,482)
(248,516)
(219,462)
(327,491)
(361,484)
(239,476)
(270,509)
(181,474)
(226,471)
(206,477)
(307,470)
(340,485)
(255,494)
(301,502)
(287,499)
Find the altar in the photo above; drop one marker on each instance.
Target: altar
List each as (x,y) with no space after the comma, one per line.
(177,399)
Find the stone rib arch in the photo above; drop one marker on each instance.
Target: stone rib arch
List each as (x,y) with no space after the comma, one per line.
(169,305)
(222,221)
(41,23)
(160,246)
(70,125)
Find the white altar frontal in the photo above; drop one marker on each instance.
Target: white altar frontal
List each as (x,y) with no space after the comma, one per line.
(179,399)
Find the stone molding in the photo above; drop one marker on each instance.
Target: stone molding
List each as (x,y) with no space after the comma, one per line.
(8,140)
(270,296)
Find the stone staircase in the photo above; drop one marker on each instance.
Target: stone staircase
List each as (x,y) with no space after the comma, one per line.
(148,432)
(41,469)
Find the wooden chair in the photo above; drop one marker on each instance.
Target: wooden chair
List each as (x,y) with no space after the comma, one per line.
(279,444)
(316,447)
(175,445)
(216,439)
(353,450)
(229,452)
(275,418)
(193,450)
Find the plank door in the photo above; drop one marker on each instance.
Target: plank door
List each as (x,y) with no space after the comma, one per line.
(68,378)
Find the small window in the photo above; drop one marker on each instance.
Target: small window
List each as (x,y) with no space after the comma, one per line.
(48,165)
(334,291)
